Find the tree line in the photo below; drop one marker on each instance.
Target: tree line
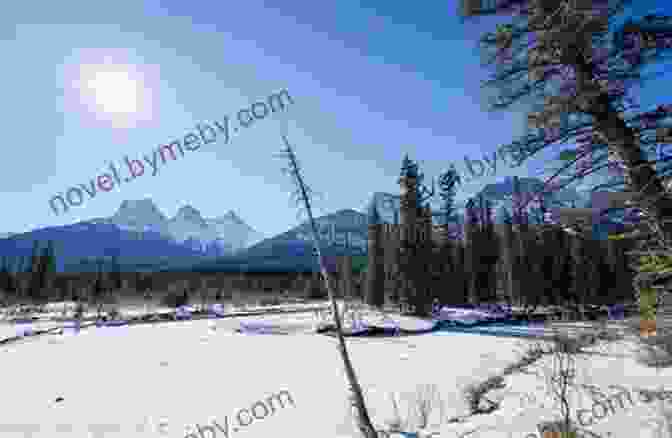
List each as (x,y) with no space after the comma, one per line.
(524,259)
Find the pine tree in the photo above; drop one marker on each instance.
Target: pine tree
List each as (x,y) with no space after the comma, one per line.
(448,213)
(6,280)
(472,261)
(50,255)
(49,266)
(98,289)
(414,249)
(409,168)
(36,269)
(508,253)
(115,273)
(375,282)
(595,62)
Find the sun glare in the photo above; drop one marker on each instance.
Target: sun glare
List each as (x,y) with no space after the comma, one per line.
(114,92)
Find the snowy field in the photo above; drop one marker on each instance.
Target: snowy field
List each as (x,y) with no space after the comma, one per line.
(162,380)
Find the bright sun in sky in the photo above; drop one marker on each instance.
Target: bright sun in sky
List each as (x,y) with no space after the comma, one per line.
(114,91)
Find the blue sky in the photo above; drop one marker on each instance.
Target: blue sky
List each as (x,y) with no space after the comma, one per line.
(370,80)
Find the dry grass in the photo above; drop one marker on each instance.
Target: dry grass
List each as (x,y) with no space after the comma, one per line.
(420,405)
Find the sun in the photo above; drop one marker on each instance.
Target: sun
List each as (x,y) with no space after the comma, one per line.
(114,92)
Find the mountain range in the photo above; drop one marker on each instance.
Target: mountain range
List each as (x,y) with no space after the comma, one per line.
(138,233)
(341,233)
(224,234)
(143,238)
(345,232)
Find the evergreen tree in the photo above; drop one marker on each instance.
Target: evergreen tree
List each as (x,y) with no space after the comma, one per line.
(414,253)
(62,285)
(489,251)
(36,269)
(115,273)
(137,281)
(518,205)
(375,282)
(409,168)
(50,258)
(98,289)
(508,253)
(48,268)
(6,278)
(583,69)
(448,213)
(472,261)
(585,66)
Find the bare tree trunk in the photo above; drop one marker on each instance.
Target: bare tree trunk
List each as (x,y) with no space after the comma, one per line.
(356,396)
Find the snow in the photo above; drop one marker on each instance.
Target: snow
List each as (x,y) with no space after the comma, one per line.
(196,372)
(528,404)
(188,223)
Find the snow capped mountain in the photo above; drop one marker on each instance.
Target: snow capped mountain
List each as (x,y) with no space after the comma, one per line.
(224,234)
(386,206)
(342,233)
(139,215)
(187,213)
(188,224)
(235,231)
(230,216)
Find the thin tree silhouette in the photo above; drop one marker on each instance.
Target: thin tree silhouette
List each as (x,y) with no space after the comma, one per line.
(302,197)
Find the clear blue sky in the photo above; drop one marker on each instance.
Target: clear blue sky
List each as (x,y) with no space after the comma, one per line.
(371,80)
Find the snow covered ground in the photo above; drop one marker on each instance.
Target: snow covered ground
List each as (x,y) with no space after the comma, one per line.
(525,401)
(156,380)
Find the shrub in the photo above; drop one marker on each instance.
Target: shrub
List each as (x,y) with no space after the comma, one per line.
(474,395)
(426,399)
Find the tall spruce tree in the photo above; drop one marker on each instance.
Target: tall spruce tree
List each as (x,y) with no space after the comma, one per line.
(415,252)
(472,262)
(447,191)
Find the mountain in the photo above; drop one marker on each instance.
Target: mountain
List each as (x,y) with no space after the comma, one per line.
(234,231)
(500,191)
(342,233)
(140,215)
(222,235)
(75,245)
(140,235)
(386,206)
